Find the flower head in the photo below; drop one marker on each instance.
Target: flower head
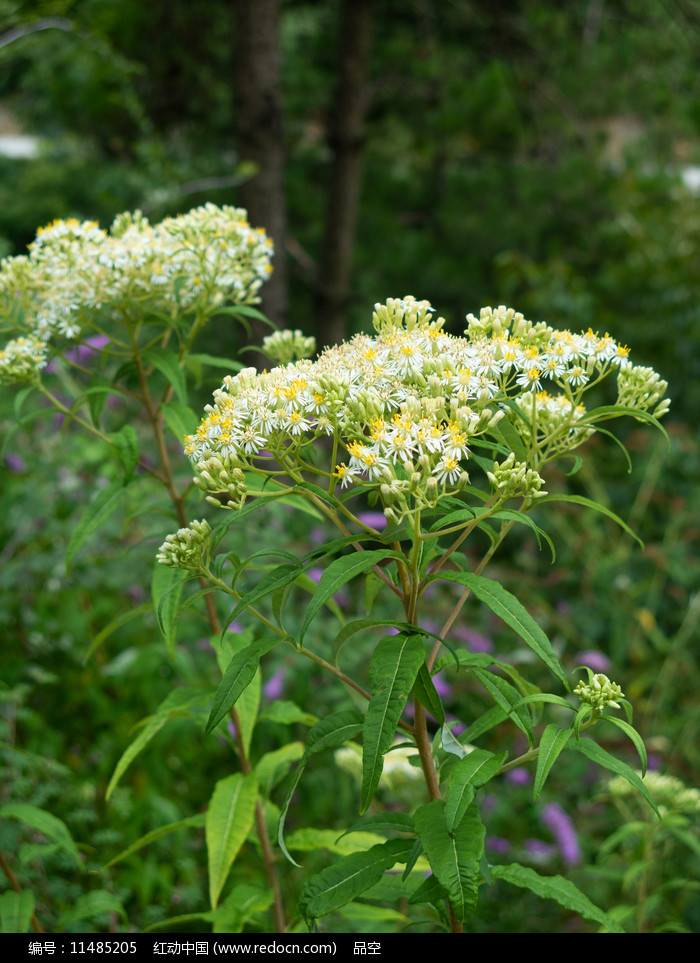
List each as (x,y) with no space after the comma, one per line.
(188,547)
(405,406)
(599,692)
(194,262)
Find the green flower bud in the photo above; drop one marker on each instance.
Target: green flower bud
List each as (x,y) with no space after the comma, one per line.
(188,548)
(599,691)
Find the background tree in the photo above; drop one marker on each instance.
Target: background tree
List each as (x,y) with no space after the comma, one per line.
(259,134)
(346,137)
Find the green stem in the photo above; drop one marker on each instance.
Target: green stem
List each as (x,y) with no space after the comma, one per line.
(505,528)
(425,750)
(330,514)
(492,505)
(261,829)
(156,418)
(534,753)
(92,429)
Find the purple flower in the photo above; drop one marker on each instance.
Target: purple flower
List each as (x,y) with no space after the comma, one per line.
(539,849)
(15,463)
(654,761)
(444,689)
(476,641)
(235,627)
(562,828)
(274,686)
(373,519)
(518,776)
(497,844)
(597,661)
(82,353)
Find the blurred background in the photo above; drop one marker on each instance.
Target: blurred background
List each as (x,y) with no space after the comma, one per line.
(545,156)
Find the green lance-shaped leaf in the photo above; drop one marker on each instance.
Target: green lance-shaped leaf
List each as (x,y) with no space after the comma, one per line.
(428,696)
(278,578)
(383,823)
(511,437)
(429,891)
(596,506)
(95,903)
(474,770)
(554,740)
(195,361)
(507,697)
(116,624)
(633,735)
(514,614)
(126,441)
(241,904)
(177,703)
(511,514)
(166,590)
(239,674)
(331,731)
(51,826)
(273,766)
(287,713)
(229,819)
(16,911)
(190,822)
(556,888)
(392,671)
(97,512)
(606,412)
(350,877)
(450,744)
(454,857)
(339,573)
(247,707)
(168,364)
(179,418)
(487,720)
(360,625)
(597,754)
(96,396)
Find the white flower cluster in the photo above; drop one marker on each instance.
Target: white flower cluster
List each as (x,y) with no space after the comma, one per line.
(398,774)
(404,404)
(75,271)
(21,358)
(668,792)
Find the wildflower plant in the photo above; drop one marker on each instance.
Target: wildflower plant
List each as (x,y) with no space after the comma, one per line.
(442,435)
(652,857)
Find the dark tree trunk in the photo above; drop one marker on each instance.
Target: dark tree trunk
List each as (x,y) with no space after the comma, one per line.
(259,132)
(346,139)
